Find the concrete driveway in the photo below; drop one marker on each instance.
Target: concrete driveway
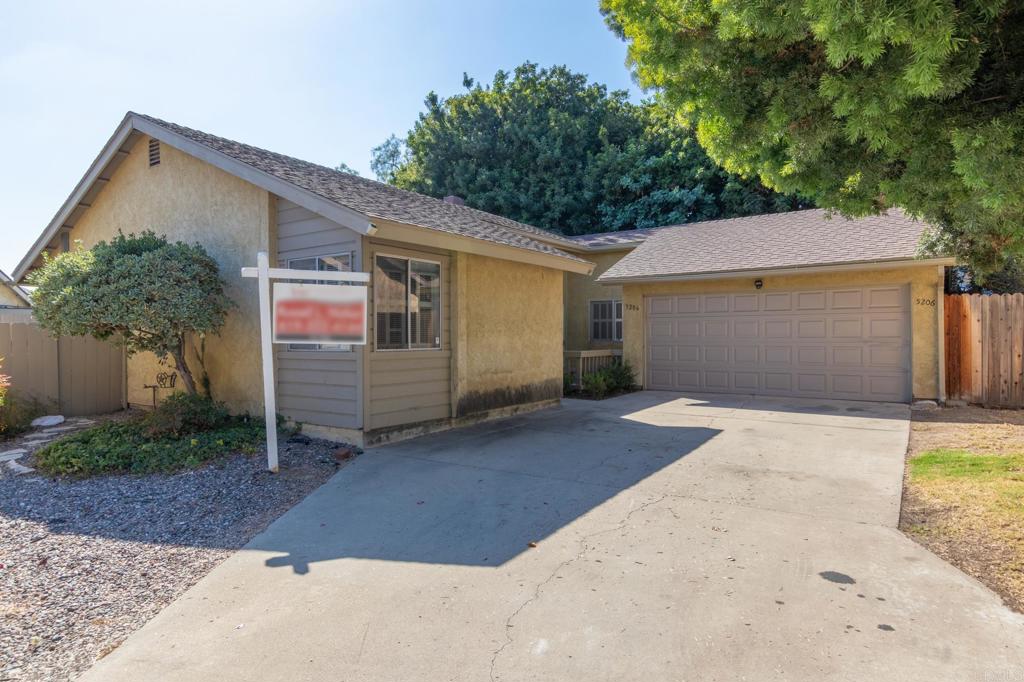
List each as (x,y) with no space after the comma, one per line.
(677,538)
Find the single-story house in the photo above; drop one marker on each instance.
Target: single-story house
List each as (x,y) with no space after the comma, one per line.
(12,295)
(470,312)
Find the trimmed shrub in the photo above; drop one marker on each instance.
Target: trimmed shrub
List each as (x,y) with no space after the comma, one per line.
(182,413)
(617,378)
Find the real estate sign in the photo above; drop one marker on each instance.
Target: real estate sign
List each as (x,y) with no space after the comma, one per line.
(319,313)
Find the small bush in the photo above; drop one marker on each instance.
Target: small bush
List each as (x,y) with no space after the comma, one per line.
(183,413)
(17,413)
(595,384)
(617,378)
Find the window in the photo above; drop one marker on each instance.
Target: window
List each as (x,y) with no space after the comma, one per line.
(407,303)
(339,263)
(606,320)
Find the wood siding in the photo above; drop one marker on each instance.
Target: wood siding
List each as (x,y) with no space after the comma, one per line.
(73,375)
(319,387)
(984,337)
(409,386)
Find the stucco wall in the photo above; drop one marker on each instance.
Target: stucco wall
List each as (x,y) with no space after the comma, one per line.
(580,290)
(925,286)
(509,333)
(9,298)
(189,200)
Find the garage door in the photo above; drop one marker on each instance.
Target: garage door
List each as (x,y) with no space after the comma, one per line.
(827,343)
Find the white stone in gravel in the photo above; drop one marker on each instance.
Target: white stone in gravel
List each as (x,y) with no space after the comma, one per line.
(18,469)
(12,454)
(48,420)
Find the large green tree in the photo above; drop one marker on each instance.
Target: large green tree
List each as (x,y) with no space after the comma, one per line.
(138,290)
(549,148)
(860,105)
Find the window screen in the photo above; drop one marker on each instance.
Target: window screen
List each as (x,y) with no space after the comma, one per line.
(407,303)
(606,320)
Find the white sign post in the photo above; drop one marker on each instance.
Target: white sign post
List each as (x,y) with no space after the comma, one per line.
(314,313)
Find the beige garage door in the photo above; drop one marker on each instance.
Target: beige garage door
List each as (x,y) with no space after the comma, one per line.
(825,343)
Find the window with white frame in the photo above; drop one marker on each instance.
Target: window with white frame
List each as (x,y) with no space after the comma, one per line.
(341,262)
(606,320)
(407,303)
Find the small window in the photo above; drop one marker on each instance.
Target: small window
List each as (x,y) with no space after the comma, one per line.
(407,303)
(339,263)
(154,152)
(606,320)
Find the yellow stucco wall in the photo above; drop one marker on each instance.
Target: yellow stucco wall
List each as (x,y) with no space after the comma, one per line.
(192,201)
(925,282)
(508,343)
(580,290)
(9,298)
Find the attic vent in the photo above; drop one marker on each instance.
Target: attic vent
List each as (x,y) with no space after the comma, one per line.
(154,152)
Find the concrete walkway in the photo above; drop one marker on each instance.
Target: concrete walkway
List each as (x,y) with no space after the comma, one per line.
(676,538)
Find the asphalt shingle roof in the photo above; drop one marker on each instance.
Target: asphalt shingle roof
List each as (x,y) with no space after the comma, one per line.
(764,242)
(377,199)
(611,239)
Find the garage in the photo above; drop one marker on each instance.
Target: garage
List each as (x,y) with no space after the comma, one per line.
(846,343)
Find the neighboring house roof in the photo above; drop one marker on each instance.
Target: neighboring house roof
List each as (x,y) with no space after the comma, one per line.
(13,286)
(798,239)
(348,199)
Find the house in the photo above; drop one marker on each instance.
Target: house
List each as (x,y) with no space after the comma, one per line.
(792,304)
(12,295)
(470,312)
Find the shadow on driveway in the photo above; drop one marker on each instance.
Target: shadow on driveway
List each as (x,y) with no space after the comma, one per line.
(477,496)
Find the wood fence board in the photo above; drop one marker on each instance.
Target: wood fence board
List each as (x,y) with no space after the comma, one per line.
(984,344)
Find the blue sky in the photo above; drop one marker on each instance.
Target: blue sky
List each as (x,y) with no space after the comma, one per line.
(324,81)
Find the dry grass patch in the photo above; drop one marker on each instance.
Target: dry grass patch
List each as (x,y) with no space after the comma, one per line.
(964,493)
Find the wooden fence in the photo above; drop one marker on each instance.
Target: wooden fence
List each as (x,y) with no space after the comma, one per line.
(71,375)
(985,349)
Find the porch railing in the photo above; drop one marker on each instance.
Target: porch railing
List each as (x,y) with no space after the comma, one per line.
(578,363)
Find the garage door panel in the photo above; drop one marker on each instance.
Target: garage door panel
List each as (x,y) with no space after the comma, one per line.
(687,304)
(746,355)
(843,343)
(716,354)
(716,304)
(745,303)
(810,300)
(778,302)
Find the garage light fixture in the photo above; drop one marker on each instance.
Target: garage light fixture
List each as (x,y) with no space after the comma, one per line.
(758,283)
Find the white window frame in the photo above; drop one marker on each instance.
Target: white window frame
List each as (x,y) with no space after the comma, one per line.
(408,308)
(616,319)
(322,347)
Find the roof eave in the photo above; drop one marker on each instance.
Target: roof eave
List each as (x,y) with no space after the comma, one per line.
(428,236)
(106,155)
(781,270)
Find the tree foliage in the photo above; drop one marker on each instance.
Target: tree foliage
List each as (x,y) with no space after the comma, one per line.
(549,148)
(859,105)
(137,290)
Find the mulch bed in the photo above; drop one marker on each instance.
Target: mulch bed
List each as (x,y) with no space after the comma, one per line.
(84,563)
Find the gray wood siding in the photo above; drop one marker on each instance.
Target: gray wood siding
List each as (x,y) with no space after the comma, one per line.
(317,387)
(410,386)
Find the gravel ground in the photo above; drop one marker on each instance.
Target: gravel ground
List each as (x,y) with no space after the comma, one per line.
(84,563)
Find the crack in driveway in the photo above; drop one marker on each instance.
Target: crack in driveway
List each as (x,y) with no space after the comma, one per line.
(579,555)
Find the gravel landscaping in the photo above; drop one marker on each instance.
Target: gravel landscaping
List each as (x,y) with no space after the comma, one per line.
(83,563)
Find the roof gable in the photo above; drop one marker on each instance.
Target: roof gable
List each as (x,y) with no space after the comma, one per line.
(344,198)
